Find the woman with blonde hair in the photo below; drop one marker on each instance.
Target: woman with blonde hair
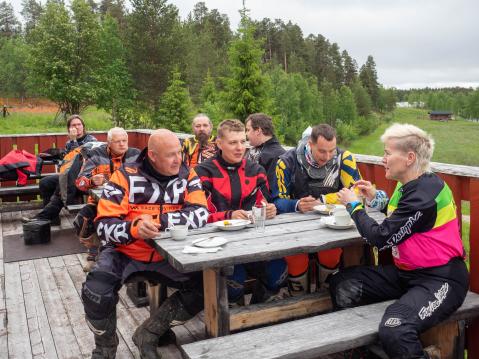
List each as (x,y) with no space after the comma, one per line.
(429,278)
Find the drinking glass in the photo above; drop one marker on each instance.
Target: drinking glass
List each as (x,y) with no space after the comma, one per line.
(258,213)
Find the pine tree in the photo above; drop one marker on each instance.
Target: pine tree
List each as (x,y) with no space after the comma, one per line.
(246,85)
(350,69)
(9,24)
(175,105)
(31,12)
(369,79)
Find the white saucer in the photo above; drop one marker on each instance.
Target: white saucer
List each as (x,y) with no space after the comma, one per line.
(327,208)
(231,224)
(209,242)
(330,223)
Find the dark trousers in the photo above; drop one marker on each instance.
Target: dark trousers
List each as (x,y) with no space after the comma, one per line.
(425,297)
(52,209)
(100,290)
(48,186)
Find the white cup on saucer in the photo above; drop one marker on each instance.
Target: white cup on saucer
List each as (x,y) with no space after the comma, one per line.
(178,232)
(341,217)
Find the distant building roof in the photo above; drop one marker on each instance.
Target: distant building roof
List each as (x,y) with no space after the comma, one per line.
(440,113)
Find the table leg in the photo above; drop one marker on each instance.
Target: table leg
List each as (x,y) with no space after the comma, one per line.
(217,317)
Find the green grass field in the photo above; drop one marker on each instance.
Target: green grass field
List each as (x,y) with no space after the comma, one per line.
(21,122)
(455,140)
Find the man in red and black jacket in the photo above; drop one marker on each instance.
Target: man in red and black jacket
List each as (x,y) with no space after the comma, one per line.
(233,185)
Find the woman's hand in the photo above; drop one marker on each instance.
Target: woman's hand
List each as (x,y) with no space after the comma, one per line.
(346,195)
(366,189)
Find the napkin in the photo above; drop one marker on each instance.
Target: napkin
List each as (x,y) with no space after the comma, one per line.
(196,250)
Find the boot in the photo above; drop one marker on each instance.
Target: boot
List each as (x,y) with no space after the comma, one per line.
(106,339)
(299,285)
(148,334)
(323,274)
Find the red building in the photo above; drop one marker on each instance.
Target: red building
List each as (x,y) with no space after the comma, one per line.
(440,115)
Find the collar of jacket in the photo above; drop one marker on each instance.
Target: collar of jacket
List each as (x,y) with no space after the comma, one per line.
(194,142)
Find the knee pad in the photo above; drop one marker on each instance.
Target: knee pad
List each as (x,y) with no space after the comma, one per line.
(297,264)
(299,285)
(398,332)
(345,293)
(276,274)
(100,294)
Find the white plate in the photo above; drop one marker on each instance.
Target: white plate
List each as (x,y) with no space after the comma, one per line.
(327,208)
(231,224)
(329,222)
(209,242)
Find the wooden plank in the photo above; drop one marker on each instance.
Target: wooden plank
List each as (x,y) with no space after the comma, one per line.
(442,336)
(473,329)
(342,330)
(3,308)
(41,338)
(274,312)
(11,223)
(216,303)
(250,246)
(17,326)
(63,335)
(73,306)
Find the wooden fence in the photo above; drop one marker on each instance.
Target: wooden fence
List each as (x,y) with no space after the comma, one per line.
(463,181)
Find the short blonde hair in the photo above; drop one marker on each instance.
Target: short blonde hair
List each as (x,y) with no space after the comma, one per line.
(229,125)
(412,138)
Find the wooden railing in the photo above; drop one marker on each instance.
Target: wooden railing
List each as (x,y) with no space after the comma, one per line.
(463,181)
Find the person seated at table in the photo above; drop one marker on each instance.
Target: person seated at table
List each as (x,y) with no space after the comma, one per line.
(306,176)
(429,278)
(265,148)
(140,200)
(203,145)
(233,185)
(50,186)
(96,171)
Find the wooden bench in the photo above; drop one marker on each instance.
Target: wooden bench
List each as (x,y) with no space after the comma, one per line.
(75,208)
(311,337)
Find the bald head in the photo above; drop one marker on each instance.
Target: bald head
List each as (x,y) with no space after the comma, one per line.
(164,152)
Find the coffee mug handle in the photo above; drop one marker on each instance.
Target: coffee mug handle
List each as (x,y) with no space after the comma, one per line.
(168,229)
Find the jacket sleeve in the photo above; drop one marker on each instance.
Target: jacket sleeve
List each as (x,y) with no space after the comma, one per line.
(113,207)
(194,212)
(409,217)
(349,175)
(281,189)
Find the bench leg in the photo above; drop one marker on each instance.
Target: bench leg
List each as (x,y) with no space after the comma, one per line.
(217,318)
(444,337)
(156,296)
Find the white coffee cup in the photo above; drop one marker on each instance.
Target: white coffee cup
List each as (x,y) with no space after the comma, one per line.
(178,232)
(341,217)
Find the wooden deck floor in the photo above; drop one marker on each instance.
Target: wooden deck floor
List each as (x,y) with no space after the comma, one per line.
(41,313)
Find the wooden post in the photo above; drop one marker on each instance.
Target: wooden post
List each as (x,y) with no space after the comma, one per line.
(442,336)
(473,329)
(217,319)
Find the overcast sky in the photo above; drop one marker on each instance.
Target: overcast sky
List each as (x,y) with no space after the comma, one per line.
(415,43)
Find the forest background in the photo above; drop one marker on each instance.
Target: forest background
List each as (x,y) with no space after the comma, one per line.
(145,67)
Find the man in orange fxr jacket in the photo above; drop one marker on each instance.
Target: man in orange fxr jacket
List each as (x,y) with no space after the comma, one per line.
(140,200)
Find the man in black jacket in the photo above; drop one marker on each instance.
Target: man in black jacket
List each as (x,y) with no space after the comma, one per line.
(265,148)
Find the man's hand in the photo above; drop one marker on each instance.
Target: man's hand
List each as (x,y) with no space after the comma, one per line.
(147,228)
(307,204)
(98,179)
(270,210)
(347,195)
(239,214)
(366,189)
(72,133)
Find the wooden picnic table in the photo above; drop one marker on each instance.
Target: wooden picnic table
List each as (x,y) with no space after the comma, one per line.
(284,235)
